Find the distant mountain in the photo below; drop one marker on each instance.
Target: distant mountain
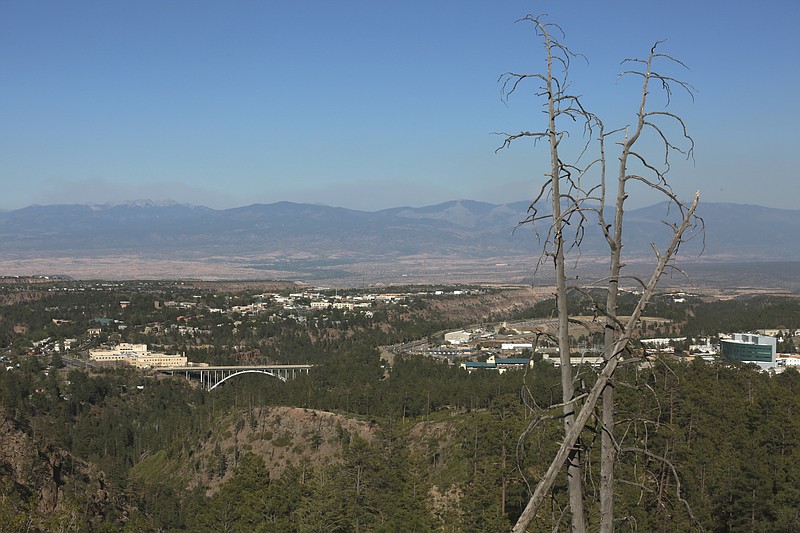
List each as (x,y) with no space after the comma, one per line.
(462,229)
(457,227)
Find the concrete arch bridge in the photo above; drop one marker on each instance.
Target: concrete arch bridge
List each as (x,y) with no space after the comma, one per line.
(212,377)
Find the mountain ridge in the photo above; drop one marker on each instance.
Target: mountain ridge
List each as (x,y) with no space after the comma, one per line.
(453,231)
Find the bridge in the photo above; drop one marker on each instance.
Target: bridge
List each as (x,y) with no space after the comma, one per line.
(212,377)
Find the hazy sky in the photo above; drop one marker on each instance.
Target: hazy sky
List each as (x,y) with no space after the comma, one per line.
(368,104)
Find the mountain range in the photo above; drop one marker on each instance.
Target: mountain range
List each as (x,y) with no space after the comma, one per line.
(286,233)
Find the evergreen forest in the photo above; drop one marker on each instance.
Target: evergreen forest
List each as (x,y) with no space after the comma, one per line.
(363,444)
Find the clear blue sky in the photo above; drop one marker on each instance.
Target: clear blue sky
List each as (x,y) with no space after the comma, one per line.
(367,104)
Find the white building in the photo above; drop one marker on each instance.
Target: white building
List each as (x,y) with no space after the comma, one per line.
(789,361)
(458,337)
(136,355)
(516,346)
(662,342)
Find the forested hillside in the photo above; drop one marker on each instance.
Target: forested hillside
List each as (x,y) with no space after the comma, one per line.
(170,457)
(363,445)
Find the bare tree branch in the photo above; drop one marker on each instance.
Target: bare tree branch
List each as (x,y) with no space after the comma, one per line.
(546,483)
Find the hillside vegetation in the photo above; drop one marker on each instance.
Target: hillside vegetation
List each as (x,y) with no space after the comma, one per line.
(359,445)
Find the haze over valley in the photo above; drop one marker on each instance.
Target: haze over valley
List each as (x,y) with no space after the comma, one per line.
(429,269)
(457,241)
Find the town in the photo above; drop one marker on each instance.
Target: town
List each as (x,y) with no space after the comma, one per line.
(164,385)
(149,325)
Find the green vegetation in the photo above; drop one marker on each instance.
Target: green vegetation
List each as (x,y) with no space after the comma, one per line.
(437,448)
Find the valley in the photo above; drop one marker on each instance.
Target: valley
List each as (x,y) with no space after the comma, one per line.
(380,435)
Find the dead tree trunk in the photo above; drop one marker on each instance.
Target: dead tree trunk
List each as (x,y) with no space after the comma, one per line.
(546,483)
(559,105)
(574,477)
(657,180)
(570,201)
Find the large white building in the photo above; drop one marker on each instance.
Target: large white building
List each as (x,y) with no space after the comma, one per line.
(458,337)
(137,355)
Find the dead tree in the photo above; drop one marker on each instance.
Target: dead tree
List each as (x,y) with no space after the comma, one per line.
(577,192)
(654,177)
(562,185)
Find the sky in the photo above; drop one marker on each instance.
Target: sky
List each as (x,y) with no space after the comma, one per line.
(369,105)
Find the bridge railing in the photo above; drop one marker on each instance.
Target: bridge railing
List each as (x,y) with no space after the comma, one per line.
(212,376)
